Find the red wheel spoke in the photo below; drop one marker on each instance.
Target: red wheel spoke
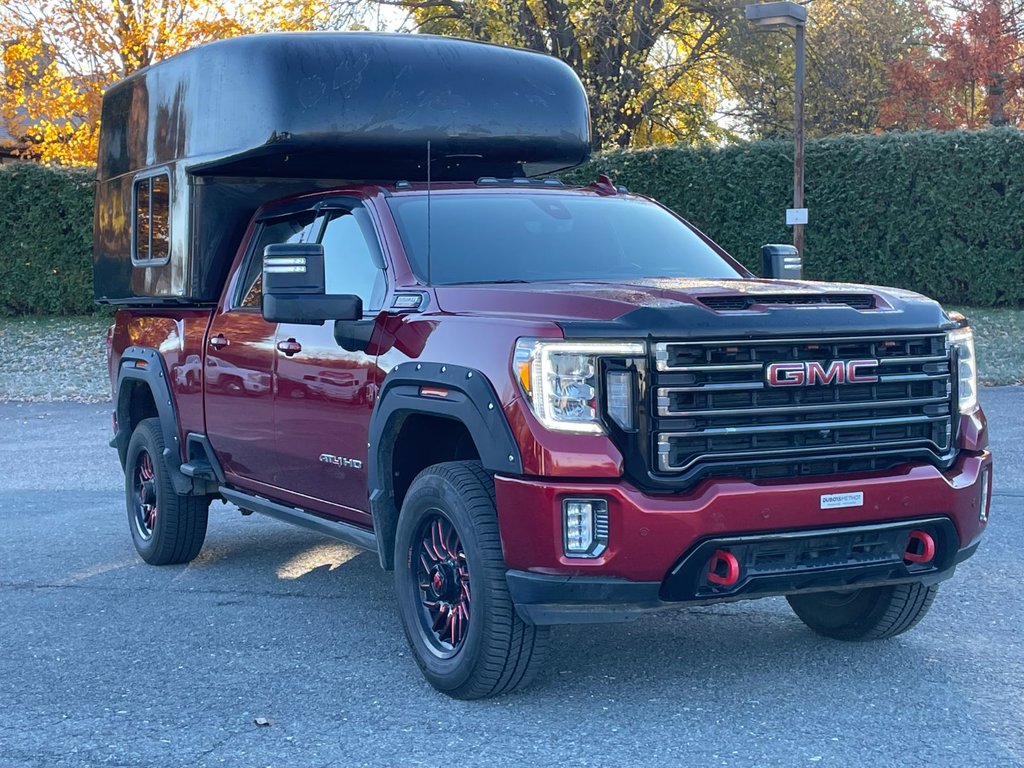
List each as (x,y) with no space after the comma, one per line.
(438,531)
(430,553)
(434,544)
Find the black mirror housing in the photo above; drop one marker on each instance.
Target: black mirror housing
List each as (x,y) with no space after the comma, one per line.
(312,309)
(293,268)
(294,284)
(781,262)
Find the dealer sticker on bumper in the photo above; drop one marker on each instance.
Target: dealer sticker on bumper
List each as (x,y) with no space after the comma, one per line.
(839,500)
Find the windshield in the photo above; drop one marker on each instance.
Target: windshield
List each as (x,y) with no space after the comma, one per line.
(527,237)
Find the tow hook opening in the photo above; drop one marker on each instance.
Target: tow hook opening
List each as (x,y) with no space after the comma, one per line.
(920,548)
(723,568)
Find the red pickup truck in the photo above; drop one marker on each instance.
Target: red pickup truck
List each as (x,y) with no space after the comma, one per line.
(351,296)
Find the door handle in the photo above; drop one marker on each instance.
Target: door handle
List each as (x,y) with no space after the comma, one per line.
(219,341)
(289,347)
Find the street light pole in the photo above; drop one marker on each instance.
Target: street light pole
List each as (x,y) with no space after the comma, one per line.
(798,134)
(780,15)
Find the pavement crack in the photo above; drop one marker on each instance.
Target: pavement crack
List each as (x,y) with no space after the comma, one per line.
(220,743)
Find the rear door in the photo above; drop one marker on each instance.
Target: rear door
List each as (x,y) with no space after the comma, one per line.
(239,364)
(325,393)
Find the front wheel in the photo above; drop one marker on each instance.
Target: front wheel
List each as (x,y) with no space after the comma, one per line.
(166,527)
(454,604)
(872,613)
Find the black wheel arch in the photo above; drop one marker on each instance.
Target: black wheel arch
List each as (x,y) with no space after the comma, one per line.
(140,371)
(470,401)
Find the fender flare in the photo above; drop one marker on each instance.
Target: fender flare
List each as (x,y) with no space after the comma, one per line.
(146,365)
(471,400)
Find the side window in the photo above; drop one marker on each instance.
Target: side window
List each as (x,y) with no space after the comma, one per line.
(151,241)
(352,257)
(299,228)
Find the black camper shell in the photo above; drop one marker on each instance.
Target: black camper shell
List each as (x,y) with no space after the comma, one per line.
(192,146)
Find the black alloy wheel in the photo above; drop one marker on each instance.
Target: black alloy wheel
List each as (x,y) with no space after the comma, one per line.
(458,616)
(166,527)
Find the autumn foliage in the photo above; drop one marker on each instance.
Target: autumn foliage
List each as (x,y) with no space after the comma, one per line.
(650,67)
(967,74)
(59,56)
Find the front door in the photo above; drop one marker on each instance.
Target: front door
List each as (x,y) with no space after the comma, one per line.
(325,393)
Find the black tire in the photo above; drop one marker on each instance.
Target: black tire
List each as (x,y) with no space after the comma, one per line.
(496,651)
(166,527)
(873,613)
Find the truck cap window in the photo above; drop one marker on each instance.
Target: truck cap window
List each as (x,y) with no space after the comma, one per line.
(477,238)
(151,236)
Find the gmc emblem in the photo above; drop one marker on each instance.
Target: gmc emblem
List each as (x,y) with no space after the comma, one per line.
(810,374)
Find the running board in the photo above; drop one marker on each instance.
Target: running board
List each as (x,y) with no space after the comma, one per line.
(346,532)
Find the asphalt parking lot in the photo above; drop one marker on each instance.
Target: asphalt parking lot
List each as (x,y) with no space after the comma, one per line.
(107,661)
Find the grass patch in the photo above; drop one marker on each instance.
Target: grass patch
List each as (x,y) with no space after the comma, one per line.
(64,358)
(53,359)
(999,338)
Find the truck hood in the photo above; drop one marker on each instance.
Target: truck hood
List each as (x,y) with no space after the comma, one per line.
(699,307)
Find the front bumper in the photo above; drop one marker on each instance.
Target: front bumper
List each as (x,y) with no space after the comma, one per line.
(659,545)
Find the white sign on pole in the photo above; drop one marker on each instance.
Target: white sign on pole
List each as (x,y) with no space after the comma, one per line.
(796,216)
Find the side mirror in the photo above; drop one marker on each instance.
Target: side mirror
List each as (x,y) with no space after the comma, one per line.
(781,262)
(293,287)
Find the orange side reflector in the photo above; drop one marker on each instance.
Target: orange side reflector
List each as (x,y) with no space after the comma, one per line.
(433,392)
(141,364)
(525,377)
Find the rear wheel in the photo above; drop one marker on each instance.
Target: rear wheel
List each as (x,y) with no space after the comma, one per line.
(456,611)
(873,613)
(166,527)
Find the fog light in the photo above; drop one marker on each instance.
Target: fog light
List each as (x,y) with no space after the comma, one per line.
(584,527)
(983,501)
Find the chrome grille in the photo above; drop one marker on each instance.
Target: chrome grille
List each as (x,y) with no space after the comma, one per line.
(713,412)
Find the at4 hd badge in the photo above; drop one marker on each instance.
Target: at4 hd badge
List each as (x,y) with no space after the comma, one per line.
(340,461)
(840,500)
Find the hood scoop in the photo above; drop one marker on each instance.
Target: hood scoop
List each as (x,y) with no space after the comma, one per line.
(741,302)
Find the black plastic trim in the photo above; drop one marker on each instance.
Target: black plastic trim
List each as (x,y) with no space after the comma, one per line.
(549,599)
(154,376)
(694,321)
(542,599)
(210,456)
(686,582)
(336,529)
(471,401)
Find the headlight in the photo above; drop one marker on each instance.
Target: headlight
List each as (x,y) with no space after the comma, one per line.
(560,379)
(962,339)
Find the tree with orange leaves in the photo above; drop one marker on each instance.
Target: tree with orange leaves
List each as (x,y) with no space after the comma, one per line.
(59,56)
(969,72)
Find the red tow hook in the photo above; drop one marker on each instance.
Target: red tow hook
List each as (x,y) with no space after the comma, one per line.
(920,548)
(723,568)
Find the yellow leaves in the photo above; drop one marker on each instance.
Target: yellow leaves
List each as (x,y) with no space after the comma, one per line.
(64,53)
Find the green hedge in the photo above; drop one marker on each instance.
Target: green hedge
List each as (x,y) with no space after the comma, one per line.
(939,213)
(45,240)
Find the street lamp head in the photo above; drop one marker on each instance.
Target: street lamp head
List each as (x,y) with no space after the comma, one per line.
(777,15)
